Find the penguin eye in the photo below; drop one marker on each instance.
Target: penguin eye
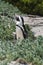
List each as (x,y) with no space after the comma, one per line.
(17,18)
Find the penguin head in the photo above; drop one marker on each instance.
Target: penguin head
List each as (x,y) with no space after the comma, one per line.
(19,20)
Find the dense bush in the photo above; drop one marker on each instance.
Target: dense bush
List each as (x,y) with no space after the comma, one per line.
(31,51)
(29,6)
(7,25)
(8,8)
(6,28)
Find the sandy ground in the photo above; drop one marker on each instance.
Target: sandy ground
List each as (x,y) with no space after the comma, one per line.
(36,24)
(38,30)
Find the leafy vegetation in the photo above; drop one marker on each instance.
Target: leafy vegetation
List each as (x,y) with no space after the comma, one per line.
(31,51)
(7,25)
(29,6)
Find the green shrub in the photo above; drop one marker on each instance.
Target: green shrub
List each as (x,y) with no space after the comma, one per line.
(29,6)
(29,32)
(31,51)
(7,25)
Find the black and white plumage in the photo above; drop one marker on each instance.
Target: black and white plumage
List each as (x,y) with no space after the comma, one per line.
(20,27)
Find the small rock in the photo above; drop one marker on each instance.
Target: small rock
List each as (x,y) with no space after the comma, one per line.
(19,62)
(14,63)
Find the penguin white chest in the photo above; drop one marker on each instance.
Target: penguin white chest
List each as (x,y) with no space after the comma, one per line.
(19,33)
